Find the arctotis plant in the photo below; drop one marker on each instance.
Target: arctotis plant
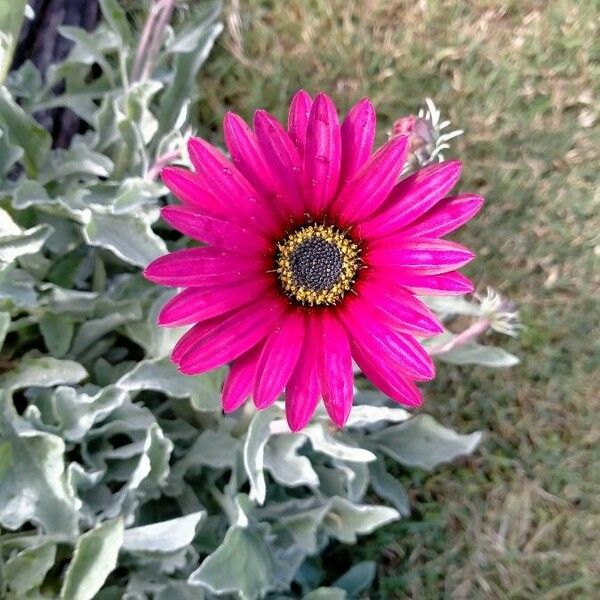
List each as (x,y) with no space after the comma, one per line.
(121,477)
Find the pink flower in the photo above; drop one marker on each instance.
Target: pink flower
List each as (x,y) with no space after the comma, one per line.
(313,255)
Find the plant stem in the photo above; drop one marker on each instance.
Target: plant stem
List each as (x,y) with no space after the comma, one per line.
(470,334)
(162,161)
(151,39)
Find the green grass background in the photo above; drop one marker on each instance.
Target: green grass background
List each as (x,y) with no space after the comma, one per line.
(521,518)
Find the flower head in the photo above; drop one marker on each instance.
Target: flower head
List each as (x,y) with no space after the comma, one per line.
(502,313)
(313,255)
(426,137)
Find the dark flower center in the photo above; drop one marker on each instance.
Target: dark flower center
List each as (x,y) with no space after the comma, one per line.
(317,264)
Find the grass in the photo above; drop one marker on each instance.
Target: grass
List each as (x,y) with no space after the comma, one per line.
(520,519)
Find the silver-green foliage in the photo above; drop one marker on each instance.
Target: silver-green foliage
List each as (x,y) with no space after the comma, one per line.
(108,456)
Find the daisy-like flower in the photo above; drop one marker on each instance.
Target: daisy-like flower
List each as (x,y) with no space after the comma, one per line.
(313,256)
(426,136)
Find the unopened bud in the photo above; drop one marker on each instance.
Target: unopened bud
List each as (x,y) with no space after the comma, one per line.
(426,140)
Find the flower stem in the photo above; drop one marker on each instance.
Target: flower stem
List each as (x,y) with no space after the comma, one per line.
(162,161)
(470,334)
(151,38)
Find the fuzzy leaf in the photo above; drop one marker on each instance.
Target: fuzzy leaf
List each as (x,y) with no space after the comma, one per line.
(130,238)
(242,564)
(43,371)
(346,520)
(323,441)
(27,569)
(423,442)
(163,537)
(254,452)
(326,593)
(363,415)
(25,132)
(76,412)
(389,488)
(4,324)
(357,579)
(57,331)
(33,484)
(478,354)
(94,559)
(162,375)
(286,465)
(26,242)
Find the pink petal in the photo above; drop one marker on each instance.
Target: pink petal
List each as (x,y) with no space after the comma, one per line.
(391,381)
(202,266)
(283,159)
(302,392)
(446,284)
(246,154)
(335,369)
(298,119)
(215,231)
(198,304)
(411,198)
(238,384)
(358,135)
(322,155)
(446,216)
(422,255)
(231,187)
(187,187)
(399,308)
(189,339)
(278,359)
(232,336)
(370,333)
(373,182)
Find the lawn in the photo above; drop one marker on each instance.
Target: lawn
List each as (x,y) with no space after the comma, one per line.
(521,518)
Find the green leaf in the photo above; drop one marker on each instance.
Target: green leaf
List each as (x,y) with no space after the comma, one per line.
(346,520)
(325,442)
(11,19)
(79,161)
(326,593)
(4,324)
(33,483)
(364,415)
(27,569)
(186,67)
(57,331)
(286,465)
(90,48)
(17,285)
(43,371)
(254,451)
(478,354)
(24,131)
(162,375)
(423,442)
(76,412)
(357,579)
(95,557)
(242,563)
(117,19)
(9,155)
(216,449)
(164,537)
(129,237)
(92,330)
(27,242)
(156,341)
(386,486)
